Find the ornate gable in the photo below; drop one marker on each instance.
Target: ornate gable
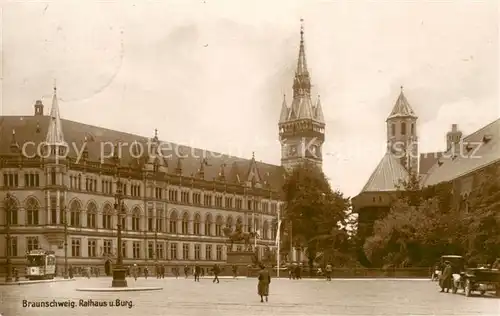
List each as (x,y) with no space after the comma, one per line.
(253,177)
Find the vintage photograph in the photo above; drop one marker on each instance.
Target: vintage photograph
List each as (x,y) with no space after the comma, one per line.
(249,158)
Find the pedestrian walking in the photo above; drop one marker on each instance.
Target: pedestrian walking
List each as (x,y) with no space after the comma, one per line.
(186,271)
(197,272)
(216,271)
(135,271)
(235,271)
(446,279)
(328,272)
(264,282)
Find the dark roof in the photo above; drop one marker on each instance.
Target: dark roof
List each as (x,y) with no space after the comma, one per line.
(386,177)
(427,160)
(483,150)
(402,107)
(235,169)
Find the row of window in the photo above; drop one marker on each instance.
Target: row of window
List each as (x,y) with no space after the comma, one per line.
(30,180)
(209,228)
(152,223)
(32,243)
(33,180)
(403,129)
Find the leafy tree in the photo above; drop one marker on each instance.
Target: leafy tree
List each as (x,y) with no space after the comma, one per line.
(425,223)
(481,223)
(316,214)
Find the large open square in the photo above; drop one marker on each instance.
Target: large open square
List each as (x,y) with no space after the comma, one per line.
(239,297)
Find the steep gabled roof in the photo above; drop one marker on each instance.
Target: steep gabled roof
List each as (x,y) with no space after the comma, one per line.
(387,175)
(480,149)
(34,129)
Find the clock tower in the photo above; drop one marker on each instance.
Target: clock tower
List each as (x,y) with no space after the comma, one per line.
(302,125)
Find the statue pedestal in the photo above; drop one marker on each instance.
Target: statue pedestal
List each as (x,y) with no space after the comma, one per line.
(240,258)
(243,260)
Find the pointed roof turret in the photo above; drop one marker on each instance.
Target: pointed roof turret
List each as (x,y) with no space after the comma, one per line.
(318,111)
(284,110)
(402,108)
(55,134)
(302,107)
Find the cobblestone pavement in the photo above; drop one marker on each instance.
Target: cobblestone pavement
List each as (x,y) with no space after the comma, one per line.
(238,297)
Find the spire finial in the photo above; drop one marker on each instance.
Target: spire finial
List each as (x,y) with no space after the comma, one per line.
(301,30)
(402,88)
(253,155)
(13,132)
(156,133)
(55,85)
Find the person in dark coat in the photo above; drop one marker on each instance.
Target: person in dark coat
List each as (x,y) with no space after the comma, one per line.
(235,271)
(216,271)
(263,285)
(446,280)
(197,272)
(328,272)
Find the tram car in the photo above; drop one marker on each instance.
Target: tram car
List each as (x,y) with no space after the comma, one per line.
(41,264)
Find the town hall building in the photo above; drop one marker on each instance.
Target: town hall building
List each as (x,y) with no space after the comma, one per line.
(61,178)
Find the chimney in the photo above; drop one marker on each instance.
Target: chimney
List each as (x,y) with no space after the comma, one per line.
(453,137)
(38,108)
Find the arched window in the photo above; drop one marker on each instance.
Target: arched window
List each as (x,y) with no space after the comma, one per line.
(185,223)
(136,219)
(218,225)
(172,224)
(393,129)
(106,216)
(265,230)
(208,224)
(403,128)
(92,215)
(229,222)
(12,206)
(412,129)
(32,208)
(197,224)
(274,229)
(256,224)
(249,225)
(74,215)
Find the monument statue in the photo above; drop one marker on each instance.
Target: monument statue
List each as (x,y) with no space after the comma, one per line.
(239,236)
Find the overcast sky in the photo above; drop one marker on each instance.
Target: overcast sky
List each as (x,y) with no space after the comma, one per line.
(212,74)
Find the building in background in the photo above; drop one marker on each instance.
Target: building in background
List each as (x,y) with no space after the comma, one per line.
(464,159)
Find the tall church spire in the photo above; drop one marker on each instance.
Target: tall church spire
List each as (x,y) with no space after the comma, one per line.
(55,134)
(302,125)
(302,62)
(302,107)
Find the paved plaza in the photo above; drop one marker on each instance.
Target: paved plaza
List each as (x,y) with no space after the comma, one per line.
(238,297)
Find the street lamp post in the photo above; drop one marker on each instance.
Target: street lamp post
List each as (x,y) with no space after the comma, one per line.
(65,244)
(8,217)
(119,272)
